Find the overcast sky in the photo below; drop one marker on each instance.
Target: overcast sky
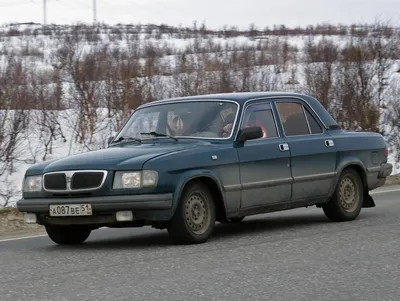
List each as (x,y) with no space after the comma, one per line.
(215,13)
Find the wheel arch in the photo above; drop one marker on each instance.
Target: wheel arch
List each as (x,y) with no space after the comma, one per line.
(212,183)
(357,166)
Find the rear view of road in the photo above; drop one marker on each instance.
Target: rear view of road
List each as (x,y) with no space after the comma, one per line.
(292,255)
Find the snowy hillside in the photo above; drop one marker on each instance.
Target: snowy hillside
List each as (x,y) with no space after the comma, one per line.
(65,89)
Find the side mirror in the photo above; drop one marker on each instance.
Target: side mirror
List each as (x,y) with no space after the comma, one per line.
(250,133)
(109,140)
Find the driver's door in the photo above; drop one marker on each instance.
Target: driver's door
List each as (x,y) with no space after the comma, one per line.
(265,171)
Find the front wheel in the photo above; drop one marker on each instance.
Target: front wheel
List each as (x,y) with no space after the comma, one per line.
(347,199)
(194,218)
(68,235)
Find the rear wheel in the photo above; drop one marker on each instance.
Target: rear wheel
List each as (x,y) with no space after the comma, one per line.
(68,235)
(194,218)
(347,199)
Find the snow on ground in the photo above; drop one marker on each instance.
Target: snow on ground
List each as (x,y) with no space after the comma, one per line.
(37,48)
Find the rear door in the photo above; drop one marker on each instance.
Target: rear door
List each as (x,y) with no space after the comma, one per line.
(312,148)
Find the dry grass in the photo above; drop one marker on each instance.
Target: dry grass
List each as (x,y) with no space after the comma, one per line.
(11,221)
(393,180)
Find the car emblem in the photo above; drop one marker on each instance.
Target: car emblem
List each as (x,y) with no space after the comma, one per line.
(68,178)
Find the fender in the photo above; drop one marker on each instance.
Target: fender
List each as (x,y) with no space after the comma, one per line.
(190,175)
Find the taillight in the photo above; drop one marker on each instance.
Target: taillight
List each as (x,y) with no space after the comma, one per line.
(386,152)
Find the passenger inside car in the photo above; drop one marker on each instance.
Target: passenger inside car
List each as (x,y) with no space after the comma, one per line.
(228,123)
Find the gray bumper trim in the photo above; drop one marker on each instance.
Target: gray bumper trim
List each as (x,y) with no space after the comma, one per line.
(101,204)
(385,171)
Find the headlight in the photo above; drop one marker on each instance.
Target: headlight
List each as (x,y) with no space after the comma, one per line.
(130,180)
(135,179)
(32,184)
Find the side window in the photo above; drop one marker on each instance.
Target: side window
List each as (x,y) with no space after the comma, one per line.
(293,118)
(314,126)
(261,115)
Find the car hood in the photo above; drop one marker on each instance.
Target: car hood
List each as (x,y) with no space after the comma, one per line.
(122,157)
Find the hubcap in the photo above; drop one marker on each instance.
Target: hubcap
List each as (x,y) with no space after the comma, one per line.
(349,195)
(197,215)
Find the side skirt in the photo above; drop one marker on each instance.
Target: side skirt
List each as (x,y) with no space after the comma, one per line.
(276,207)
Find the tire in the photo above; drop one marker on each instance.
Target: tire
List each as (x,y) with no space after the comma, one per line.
(68,235)
(236,219)
(195,216)
(347,200)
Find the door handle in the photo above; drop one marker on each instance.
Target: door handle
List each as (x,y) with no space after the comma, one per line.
(283,147)
(329,143)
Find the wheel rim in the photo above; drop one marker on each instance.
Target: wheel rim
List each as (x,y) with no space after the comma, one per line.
(349,194)
(197,214)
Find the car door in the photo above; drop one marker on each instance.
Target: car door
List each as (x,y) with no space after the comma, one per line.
(312,149)
(265,162)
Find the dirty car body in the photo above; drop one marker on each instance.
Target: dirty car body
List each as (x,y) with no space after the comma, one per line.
(186,163)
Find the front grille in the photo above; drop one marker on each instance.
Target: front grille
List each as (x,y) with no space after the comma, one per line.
(78,180)
(55,181)
(86,180)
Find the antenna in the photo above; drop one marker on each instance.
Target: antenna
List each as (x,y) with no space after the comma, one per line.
(44,12)
(94,11)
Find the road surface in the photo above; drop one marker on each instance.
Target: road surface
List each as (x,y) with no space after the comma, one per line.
(291,255)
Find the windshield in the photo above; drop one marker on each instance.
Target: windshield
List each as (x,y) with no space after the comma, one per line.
(199,119)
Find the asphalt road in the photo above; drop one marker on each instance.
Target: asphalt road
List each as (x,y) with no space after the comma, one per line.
(291,255)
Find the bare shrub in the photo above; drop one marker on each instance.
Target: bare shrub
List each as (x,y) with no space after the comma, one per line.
(86,72)
(392,118)
(14,99)
(320,58)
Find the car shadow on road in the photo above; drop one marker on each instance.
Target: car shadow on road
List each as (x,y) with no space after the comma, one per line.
(270,225)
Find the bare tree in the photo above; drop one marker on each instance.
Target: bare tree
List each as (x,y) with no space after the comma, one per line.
(318,72)
(85,72)
(122,85)
(14,100)
(46,123)
(385,46)
(355,87)
(392,118)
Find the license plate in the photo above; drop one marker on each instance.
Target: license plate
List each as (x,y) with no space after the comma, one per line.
(70,210)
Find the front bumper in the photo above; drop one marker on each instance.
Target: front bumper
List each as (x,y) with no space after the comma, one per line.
(102,204)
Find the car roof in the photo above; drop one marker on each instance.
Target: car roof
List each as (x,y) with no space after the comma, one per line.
(243,97)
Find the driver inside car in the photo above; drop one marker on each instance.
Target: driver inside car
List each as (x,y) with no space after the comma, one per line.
(181,125)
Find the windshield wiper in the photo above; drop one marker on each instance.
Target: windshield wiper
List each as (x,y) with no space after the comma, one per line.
(126,138)
(159,135)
